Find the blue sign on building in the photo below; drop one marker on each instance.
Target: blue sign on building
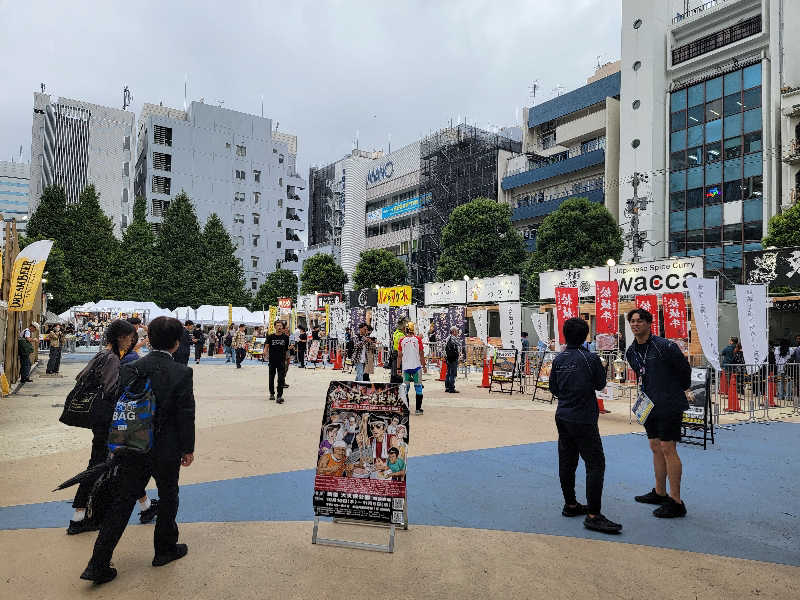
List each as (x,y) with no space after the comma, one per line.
(401,208)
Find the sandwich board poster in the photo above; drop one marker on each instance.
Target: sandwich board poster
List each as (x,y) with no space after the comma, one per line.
(503,368)
(363,448)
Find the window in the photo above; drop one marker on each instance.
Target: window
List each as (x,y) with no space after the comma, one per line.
(239,196)
(278,245)
(124,221)
(241,150)
(126,143)
(255,240)
(752,187)
(124,194)
(694,198)
(241,175)
(732,190)
(732,104)
(637,65)
(280,181)
(238,218)
(678,120)
(548,140)
(694,116)
(753,232)
(256,197)
(677,160)
(257,176)
(254,261)
(126,169)
(280,223)
(713,152)
(280,159)
(694,156)
(254,283)
(161,185)
(238,241)
(752,142)
(158,208)
(162,161)
(255,218)
(162,135)
(713,110)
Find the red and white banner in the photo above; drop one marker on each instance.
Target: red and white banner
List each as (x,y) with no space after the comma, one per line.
(675,326)
(566,308)
(606,306)
(649,302)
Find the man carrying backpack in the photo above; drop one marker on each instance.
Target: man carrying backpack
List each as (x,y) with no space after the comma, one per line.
(172,435)
(452,351)
(227,343)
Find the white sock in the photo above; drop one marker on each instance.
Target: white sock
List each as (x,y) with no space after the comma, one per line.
(146,504)
(79,514)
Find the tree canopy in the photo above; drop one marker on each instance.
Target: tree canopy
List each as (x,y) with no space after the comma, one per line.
(222,273)
(281,283)
(783,230)
(578,233)
(480,241)
(322,274)
(379,267)
(49,220)
(132,270)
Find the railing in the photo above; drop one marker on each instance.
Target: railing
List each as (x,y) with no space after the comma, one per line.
(584,148)
(696,11)
(755,390)
(559,192)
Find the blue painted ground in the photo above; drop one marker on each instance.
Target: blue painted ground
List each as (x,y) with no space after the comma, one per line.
(83,357)
(742,495)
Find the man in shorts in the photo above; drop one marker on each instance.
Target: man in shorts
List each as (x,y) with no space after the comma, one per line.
(411,358)
(663,373)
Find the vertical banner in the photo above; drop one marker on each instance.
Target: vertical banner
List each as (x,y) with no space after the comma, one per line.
(380,323)
(423,321)
(675,316)
(338,317)
(649,302)
(606,307)
(480,319)
(456,317)
(511,325)
(441,327)
(539,321)
(751,301)
(273,316)
(230,315)
(26,275)
(703,294)
(357,316)
(361,459)
(566,308)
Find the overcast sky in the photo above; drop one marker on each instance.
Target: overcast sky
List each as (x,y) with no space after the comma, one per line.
(326,70)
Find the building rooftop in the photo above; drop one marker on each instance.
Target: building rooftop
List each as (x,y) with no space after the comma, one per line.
(583,97)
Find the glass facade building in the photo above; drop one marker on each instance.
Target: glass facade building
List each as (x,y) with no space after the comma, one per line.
(716,167)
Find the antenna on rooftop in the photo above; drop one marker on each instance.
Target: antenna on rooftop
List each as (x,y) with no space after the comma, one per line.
(185,90)
(43,86)
(532,89)
(126,98)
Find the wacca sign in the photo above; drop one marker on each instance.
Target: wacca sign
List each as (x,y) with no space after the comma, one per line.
(656,277)
(378,174)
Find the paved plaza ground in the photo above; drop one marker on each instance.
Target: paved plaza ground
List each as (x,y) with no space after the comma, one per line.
(484,505)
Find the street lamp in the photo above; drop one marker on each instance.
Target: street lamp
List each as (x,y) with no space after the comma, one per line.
(466,289)
(610,262)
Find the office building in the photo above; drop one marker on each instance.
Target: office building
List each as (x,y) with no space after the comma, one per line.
(570,149)
(229,163)
(705,115)
(76,143)
(14,194)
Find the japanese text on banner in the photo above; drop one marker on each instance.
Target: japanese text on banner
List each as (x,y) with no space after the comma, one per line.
(649,302)
(607,306)
(566,308)
(675,326)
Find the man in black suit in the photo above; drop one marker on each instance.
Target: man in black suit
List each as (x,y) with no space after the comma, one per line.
(181,355)
(173,447)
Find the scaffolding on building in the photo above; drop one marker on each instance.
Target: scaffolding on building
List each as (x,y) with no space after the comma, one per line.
(326,207)
(457,164)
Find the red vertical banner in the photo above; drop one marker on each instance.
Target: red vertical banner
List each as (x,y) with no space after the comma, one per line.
(566,308)
(606,306)
(675,318)
(649,302)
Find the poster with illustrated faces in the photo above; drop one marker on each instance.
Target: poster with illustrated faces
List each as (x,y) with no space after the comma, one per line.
(362,453)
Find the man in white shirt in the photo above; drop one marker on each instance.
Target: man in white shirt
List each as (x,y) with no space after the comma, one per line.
(411,357)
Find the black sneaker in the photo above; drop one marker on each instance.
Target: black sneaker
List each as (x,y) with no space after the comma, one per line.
(419,412)
(272,397)
(573,511)
(85,524)
(159,560)
(601,524)
(99,576)
(280,400)
(147,516)
(652,498)
(670,510)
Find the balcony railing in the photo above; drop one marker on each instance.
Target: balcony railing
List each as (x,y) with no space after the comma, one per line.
(547,195)
(696,11)
(584,148)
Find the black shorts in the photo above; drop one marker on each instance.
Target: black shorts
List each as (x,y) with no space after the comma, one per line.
(666,427)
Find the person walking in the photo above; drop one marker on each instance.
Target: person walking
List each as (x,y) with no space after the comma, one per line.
(411,357)
(359,354)
(212,343)
(182,353)
(575,376)
(302,341)
(370,347)
(239,345)
(56,340)
(173,447)
(278,345)
(227,343)
(452,352)
(664,374)
(199,339)
(395,368)
(25,349)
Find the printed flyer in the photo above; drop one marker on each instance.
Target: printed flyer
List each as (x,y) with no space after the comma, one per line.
(363,448)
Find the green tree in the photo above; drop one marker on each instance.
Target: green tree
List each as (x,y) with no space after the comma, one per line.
(379,267)
(222,273)
(281,283)
(579,233)
(322,274)
(480,241)
(89,247)
(59,281)
(783,230)
(180,257)
(49,220)
(132,270)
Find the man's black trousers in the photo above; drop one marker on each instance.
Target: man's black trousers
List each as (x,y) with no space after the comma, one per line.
(54,362)
(163,463)
(280,368)
(240,354)
(301,354)
(581,439)
(198,350)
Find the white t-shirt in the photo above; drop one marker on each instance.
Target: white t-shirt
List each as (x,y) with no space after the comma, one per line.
(410,347)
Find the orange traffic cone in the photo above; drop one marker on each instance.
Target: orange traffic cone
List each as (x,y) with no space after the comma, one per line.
(601,406)
(733,397)
(338,363)
(442,371)
(771,391)
(487,368)
(723,383)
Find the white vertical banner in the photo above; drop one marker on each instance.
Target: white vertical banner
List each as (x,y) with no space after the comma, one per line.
(629,339)
(511,324)
(422,319)
(751,302)
(380,323)
(539,321)
(338,314)
(703,294)
(481,320)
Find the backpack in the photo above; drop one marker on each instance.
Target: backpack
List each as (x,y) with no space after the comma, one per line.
(84,401)
(228,340)
(133,424)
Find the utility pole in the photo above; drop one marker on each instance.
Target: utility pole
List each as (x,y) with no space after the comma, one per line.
(634,239)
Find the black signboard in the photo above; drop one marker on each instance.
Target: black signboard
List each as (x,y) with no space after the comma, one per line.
(776,268)
(325,299)
(504,370)
(363,298)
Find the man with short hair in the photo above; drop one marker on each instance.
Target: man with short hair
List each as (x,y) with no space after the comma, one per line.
(395,374)
(227,343)
(56,340)
(173,447)
(575,376)
(664,374)
(302,342)
(239,345)
(360,351)
(199,339)
(411,358)
(182,353)
(278,347)
(452,352)
(726,356)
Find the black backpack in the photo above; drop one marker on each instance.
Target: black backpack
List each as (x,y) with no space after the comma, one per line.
(85,401)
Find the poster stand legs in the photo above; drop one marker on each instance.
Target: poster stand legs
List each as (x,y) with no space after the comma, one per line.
(388,548)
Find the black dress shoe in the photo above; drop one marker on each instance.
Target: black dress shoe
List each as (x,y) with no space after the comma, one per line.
(601,524)
(162,559)
(99,576)
(147,516)
(85,524)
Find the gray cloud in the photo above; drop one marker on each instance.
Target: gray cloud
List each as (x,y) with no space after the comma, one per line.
(326,69)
